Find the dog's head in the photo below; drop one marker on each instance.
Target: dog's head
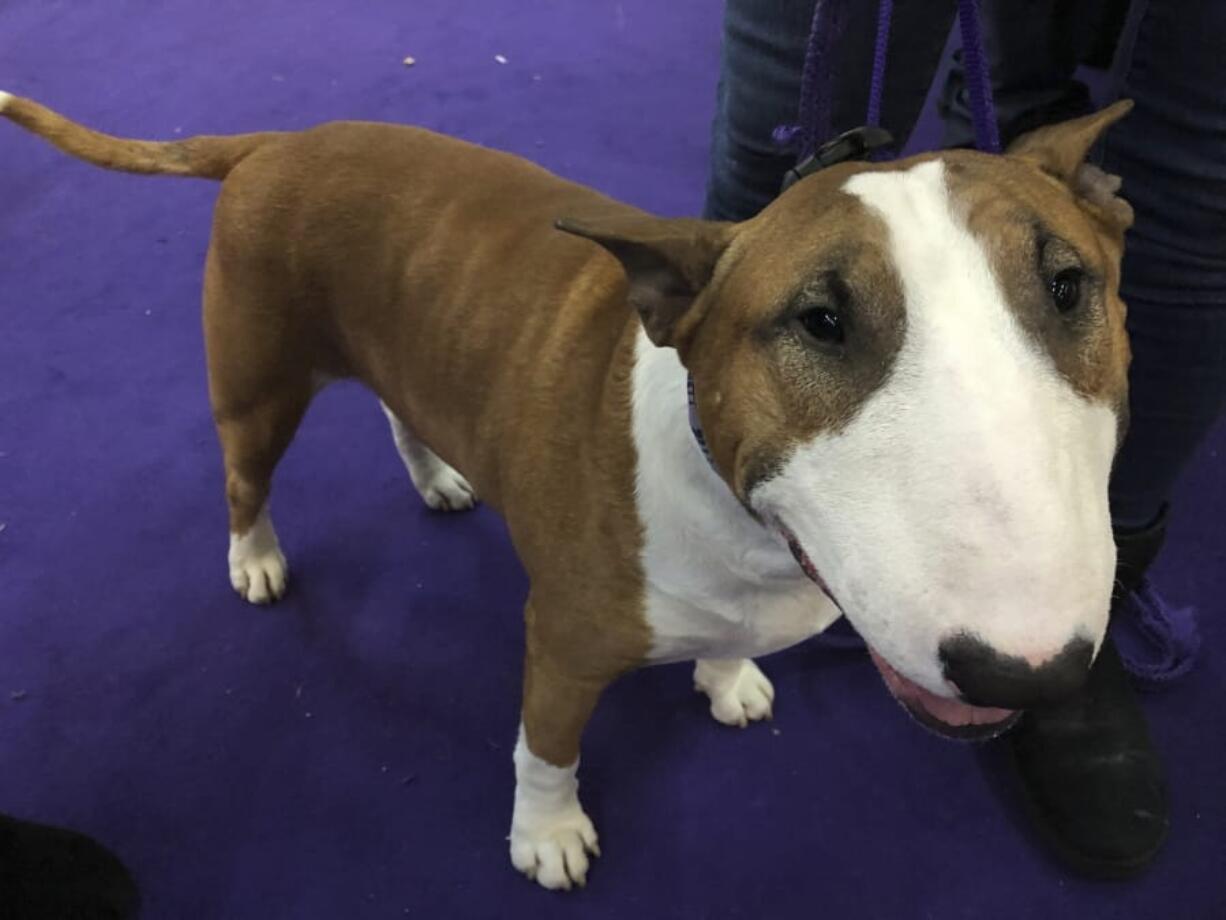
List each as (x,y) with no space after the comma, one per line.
(915,372)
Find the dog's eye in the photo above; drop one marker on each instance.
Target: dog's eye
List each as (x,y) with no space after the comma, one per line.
(823,325)
(1065,289)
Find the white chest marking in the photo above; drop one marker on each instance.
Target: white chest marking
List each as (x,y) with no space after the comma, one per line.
(719,585)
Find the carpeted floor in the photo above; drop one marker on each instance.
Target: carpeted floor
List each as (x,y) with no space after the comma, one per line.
(346,754)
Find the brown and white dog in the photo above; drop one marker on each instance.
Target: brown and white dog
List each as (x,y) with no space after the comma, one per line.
(911,378)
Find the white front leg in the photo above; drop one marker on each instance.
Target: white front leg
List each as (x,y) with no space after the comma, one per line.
(551,836)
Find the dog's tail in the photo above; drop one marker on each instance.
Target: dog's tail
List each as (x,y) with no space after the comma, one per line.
(204,156)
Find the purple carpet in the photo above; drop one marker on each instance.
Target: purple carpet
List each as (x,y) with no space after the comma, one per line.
(347,754)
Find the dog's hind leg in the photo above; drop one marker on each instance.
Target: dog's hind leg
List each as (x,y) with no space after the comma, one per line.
(740,693)
(440,485)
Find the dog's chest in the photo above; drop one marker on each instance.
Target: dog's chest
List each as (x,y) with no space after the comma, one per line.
(729,619)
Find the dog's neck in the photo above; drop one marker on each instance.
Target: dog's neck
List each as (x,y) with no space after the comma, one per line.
(678,485)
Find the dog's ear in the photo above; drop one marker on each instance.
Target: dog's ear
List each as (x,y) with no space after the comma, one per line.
(667,263)
(1060,151)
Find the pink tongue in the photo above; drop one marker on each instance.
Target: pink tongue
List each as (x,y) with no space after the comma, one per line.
(943,709)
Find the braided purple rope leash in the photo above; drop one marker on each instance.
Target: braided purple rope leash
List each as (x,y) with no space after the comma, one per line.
(1171,635)
(876,87)
(978,78)
(817,83)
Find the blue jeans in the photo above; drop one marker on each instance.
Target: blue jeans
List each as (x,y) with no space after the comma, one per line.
(1171,153)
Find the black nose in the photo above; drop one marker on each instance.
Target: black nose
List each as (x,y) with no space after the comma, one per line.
(984,677)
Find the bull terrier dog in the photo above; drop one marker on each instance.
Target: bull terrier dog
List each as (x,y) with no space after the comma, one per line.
(894,395)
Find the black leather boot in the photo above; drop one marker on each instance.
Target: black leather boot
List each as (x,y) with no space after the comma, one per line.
(1092,780)
(46,872)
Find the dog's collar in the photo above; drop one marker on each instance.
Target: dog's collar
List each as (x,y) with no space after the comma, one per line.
(695,425)
(856,144)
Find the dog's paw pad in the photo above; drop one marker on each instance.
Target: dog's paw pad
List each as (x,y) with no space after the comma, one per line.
(737,698)
(447,490)
(556,854)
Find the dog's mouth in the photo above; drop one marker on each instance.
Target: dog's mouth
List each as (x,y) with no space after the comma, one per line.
(947,717)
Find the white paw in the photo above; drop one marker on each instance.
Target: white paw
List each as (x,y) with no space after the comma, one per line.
(260,580)
(554,851)
(258,570)
(739,692)
(440,485)
(447,490)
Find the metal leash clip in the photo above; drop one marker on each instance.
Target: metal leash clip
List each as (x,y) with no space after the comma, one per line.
(855,144)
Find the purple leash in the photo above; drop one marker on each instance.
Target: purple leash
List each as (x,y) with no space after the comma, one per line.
(881,48)
(978,78)
(1157,643)
(817,79)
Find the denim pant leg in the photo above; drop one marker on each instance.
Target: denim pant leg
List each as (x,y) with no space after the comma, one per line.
(761,62)
(1171,153)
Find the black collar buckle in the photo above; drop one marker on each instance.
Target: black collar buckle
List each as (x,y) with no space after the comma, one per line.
(856,144)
